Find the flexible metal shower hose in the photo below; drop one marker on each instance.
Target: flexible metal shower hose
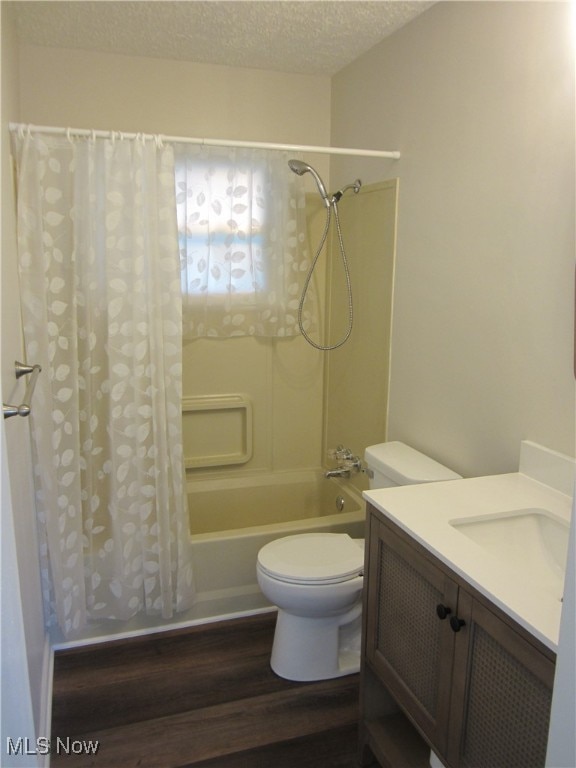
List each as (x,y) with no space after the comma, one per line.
(344,339)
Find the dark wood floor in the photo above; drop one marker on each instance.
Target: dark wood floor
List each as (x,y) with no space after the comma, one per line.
(203,697)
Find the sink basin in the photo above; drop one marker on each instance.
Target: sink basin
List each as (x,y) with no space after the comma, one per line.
(532,541)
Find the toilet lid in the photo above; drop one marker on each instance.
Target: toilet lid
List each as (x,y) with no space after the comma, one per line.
(313,558)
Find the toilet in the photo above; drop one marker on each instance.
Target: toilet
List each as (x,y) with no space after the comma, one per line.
(315,579)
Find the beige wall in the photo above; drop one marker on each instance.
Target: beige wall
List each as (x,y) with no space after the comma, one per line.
(130,93)
(17,499)
(479,98)
(86,89)
(283,379)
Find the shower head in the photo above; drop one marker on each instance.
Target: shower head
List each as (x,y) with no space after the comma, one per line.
(301,168)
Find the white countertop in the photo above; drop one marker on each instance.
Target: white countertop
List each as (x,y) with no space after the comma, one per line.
(425,511)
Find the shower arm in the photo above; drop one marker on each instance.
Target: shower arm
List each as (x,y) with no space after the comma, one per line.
(356,185)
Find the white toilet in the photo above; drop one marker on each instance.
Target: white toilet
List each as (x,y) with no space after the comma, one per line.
(316,579)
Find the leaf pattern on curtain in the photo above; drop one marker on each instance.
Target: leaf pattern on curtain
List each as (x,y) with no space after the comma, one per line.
(100,281)
(243,243)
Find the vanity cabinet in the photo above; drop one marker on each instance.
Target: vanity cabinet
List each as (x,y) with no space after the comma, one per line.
(444,668)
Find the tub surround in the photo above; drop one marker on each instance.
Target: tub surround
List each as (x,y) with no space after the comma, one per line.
(435,516)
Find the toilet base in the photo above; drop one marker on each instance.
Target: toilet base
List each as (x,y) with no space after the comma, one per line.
(307,649)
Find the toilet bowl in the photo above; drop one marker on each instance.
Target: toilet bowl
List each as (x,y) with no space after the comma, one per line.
(316,579)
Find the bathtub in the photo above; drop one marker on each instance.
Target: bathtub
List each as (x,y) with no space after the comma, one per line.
(244,514)
(262,508)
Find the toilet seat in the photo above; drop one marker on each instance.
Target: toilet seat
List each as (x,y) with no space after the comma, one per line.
(309,558)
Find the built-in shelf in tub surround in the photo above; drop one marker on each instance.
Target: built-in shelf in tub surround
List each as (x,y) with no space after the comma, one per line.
(217,430)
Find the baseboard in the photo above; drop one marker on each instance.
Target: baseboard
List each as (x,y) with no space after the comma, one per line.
(45,724)
(211,618)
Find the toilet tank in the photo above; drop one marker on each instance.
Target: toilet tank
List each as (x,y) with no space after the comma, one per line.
(395,463)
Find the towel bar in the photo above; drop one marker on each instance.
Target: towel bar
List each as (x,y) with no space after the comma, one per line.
(21,369)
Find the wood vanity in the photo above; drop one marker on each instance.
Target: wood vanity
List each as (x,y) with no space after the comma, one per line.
(444,666)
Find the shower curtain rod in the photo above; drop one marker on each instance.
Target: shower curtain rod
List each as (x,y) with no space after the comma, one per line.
(393,155)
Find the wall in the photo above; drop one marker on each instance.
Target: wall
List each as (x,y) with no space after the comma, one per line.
(130,93)
(25,648)
(479,98)
(283,379)
(562,740)
(356,401)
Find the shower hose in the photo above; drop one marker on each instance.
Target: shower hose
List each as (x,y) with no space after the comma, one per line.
(344,339)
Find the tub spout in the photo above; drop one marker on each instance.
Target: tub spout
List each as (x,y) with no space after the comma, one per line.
(347,462)
(340,472)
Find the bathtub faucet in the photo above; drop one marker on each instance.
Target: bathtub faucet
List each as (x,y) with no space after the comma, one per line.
(340,472)
(346,462)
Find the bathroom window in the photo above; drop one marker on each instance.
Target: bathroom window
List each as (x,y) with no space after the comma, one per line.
(242,238)
(221,219)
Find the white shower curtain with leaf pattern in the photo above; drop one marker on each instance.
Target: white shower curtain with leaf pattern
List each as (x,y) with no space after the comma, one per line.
(102,313)
(243,243)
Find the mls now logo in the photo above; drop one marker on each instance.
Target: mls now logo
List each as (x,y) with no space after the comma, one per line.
(43,746)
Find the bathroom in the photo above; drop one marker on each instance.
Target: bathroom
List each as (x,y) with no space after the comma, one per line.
(482,306)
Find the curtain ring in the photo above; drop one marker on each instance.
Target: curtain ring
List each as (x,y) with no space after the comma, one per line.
(69,135)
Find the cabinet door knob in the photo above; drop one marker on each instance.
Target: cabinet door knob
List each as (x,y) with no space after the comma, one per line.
(443,611)
(456,623)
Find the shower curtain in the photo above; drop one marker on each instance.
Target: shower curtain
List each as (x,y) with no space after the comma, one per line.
(243,243)
(102,313)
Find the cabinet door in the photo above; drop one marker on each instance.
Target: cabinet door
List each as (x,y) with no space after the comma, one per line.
(407,645)
(503,685)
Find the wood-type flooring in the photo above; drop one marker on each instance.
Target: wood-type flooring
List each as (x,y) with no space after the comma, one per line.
(203,697)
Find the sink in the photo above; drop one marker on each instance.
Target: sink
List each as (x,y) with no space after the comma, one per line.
(532,541)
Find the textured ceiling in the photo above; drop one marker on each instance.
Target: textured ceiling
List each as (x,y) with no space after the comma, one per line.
(316,37)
